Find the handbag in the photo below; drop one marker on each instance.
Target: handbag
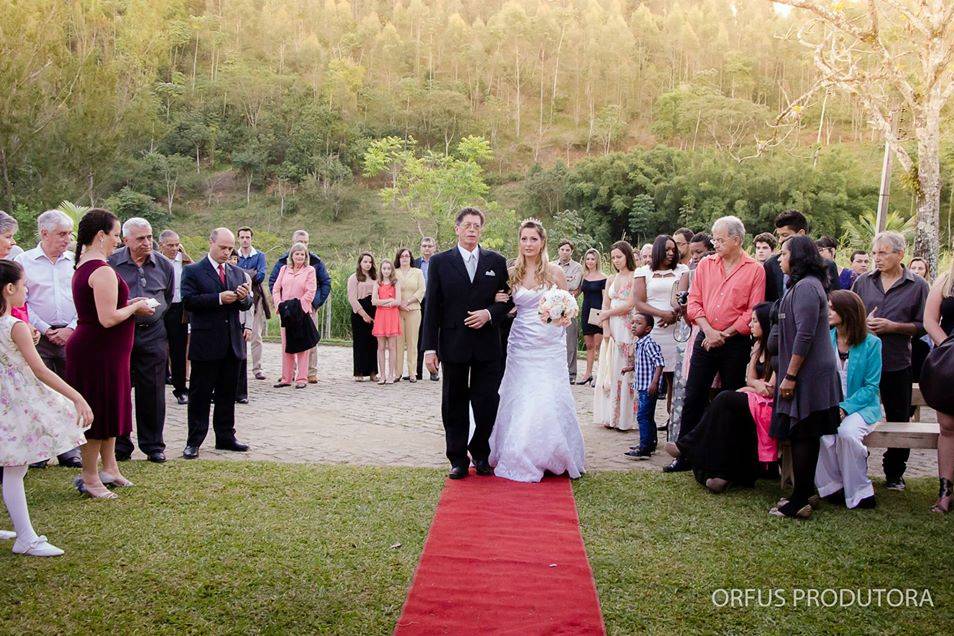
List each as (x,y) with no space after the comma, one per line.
(936,377)
(594,317)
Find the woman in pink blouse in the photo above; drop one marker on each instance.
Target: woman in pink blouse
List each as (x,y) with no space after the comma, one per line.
(8,229)
(296,281)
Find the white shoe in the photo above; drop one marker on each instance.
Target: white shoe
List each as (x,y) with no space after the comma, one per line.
(6,535)
(40,547)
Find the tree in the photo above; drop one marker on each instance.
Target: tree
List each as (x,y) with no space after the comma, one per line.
(251,160)
(895,57)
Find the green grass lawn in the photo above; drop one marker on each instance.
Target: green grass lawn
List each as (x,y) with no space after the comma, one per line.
(256,547)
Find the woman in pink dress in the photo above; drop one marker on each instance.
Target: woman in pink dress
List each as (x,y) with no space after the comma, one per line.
(296,281)
(387,320)
(98,353)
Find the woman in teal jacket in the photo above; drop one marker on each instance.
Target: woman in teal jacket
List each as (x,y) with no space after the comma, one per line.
(842,471)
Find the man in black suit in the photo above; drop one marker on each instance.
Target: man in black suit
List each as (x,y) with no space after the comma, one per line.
(461,330)
(788,224)
(428,246)
(214,292)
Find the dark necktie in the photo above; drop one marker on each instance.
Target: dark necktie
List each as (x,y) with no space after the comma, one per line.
(222,273)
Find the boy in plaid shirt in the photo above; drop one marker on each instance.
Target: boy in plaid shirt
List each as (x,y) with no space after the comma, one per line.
(648,363)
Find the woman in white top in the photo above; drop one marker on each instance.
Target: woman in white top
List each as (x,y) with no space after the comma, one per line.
(655,284)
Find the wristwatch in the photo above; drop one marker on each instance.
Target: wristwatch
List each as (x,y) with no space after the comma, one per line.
(789,376)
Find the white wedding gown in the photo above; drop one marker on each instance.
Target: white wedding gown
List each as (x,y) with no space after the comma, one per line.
(536,428)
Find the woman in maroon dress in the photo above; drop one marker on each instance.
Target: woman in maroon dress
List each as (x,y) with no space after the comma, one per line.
(97,355)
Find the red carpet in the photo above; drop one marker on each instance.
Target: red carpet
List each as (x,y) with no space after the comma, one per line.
(503,557)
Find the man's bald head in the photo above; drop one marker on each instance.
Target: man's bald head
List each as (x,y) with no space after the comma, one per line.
(221,244)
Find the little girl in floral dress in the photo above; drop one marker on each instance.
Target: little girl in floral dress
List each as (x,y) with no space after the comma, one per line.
(40,414)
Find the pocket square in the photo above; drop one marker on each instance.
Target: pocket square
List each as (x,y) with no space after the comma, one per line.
(489,272)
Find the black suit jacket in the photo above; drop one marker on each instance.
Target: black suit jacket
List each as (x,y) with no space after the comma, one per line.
(775,278)
(216,329)
(450,295)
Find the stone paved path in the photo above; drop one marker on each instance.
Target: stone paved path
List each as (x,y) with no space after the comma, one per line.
(340,421)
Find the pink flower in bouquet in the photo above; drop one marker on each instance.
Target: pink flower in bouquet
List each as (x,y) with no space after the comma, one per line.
(558,306)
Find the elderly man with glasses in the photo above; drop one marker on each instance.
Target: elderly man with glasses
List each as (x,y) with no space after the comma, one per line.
(148,274)
(48,270)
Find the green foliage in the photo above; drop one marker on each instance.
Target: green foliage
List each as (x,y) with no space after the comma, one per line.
(860,232)
(128,203)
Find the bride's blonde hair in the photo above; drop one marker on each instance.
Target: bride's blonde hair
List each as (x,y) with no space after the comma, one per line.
(542,271)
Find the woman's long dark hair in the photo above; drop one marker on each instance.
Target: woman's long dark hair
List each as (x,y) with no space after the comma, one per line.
(10,274)
(763,313)
(658,260)
(359,273)
(627,250)
(93,222)
(400,253)
(804,260)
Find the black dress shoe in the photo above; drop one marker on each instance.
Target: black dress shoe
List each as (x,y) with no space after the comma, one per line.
(158,457)
(678,465)
(457,472)
(122,457)
(190,452)
(182,399)
(234,445)
(71,462)
(482,467)
(242,400)
(40,464)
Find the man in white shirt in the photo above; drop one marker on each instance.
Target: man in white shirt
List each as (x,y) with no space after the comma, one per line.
(48,270)
(428,247)
(574,278)
(177,326)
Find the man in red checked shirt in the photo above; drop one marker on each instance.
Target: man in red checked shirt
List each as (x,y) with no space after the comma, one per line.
(727,286)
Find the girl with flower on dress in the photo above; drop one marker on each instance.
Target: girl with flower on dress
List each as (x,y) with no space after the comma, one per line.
(40,414)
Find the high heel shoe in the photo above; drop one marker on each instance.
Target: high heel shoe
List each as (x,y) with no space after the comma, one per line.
(83,490)
(588,380)
(117,482)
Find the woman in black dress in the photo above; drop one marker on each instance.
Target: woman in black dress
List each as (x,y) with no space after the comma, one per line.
(592,287)
(939,323)
(364,346)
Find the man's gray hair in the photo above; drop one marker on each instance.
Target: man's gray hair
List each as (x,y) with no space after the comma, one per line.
(428,239)
(300,233)
(52,220)
(733,226)
(8,223)
(135,223)
(165,235)
(894,240)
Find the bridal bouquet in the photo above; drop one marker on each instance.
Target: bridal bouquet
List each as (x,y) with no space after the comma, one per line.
(558,307)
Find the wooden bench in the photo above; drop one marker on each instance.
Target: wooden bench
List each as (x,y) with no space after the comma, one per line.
(914,434)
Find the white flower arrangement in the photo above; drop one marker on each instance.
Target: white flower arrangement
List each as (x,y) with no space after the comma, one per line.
(558,306)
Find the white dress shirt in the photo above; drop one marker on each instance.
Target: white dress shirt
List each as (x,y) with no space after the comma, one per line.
(177,279)
(49,289)
(471,265)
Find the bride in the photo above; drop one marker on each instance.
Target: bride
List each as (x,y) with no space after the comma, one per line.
(536,429)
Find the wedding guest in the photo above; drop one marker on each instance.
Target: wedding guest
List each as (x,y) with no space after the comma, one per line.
(894,302)
(296,281)
(647,368)
(653,294)
(48,269)
(574,276)
(593,287)
(731,444)
(253,261)
(428,248)
(726,287)
(788,224)
(98,354)
(765,245)
(842,472)
(682,237)
(859,266)
(324,290)
(612,399)
(412,285)
(175,320)
(939,323)
(699,247)
(920,267)
(147,274)
(246,320)
(40,414)
(214,293)
(8,231)
(827,247)
(364,345)
(645,254)
(386,297)
(809,392)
